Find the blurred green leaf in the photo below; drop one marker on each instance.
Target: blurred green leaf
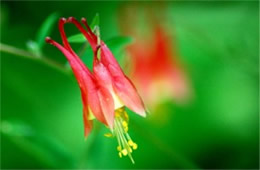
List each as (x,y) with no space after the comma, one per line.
(117,43)
(15,128)
(43,148)
(33,47)
(95,21)
(79,38)
(45,29)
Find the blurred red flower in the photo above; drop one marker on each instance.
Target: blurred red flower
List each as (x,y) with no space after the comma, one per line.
(156,68)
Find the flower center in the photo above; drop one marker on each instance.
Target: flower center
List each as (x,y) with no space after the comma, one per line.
(125,143)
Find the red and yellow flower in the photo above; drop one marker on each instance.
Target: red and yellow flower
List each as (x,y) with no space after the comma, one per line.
(106,91)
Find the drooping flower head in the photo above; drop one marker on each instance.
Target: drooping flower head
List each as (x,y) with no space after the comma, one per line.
(106,91)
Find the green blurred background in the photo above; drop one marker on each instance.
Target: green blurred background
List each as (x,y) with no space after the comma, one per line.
(41,110)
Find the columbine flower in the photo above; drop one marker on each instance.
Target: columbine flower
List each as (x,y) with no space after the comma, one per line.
(156,69)
(106,91)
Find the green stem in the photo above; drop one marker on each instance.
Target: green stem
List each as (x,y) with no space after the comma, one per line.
(24,54)
(98,40)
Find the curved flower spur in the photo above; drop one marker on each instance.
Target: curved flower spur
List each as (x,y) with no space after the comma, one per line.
(106,91)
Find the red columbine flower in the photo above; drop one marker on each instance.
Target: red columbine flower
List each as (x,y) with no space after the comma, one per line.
(156,68)
(106,91)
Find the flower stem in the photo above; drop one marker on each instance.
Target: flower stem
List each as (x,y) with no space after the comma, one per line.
(98,40)
(27,55)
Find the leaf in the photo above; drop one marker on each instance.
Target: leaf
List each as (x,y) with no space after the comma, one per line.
(117,43)
(95,21)
(79,38)
(45,29)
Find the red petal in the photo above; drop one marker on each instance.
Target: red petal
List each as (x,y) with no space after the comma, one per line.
(76,64)
(107,105)
(124,88)
(102,74)
(87,123)
(101,104)
(85,80)
(107,58)
(127,92)
(82,77)
(94,103)
(106,100)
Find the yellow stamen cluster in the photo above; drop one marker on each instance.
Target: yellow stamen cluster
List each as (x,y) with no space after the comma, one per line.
(125,143)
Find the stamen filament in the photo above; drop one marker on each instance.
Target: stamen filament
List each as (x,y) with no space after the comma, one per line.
(120,130)
(119,148)
(125,143)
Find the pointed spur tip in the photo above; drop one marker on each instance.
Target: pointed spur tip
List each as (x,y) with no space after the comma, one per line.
(48,40)
(83,19)
(70,19)
(62,20)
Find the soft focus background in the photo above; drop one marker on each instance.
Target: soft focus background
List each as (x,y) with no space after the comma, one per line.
(217,126)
